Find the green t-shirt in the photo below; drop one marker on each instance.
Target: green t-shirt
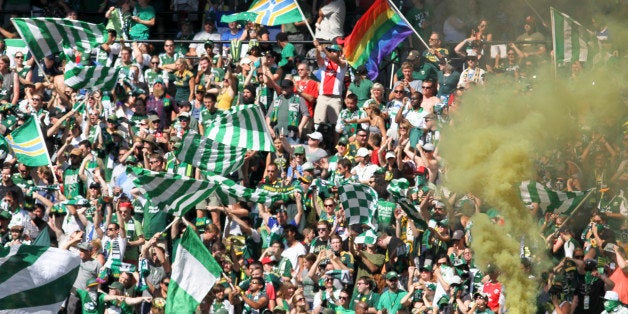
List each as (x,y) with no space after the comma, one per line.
(391,301)
(140,31)
(287,52)
(362,90)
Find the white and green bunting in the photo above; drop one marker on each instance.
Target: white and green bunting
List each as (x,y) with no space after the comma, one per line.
(548,199)
(177,194)
(45,35)
(209,155)
(241,126)
(570,38)
(194,273)
(35,279)
(90,77)
(359,202)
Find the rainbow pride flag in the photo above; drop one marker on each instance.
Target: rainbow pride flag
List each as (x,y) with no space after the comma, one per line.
(378,32)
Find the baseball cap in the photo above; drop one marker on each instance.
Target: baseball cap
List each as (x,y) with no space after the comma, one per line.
(116,286)
(84,246)
(91,282)
(429,147)
(307,166)
(184,115)
(333,47)
(316,136)
(153,118)
(299,150)
(76,152)
(611,295)
(200,88)
(392,275)
(287,83)
(390,155)
(363,152)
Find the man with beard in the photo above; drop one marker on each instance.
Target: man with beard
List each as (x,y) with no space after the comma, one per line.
(248,95)
(392,298)
(73,185)
(288,112)
(160,103)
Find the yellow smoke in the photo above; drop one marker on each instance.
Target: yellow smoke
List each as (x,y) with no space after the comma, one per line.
(498,132)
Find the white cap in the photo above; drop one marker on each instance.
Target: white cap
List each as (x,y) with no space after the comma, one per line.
(307,166)
(611,295)
(390,155)
(429,147)
(316,136)
(363,152)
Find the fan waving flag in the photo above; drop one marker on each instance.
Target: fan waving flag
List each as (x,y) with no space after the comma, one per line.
(90,77)
(550,200)
(268,12)
(28,144)
(378,32)
(570,38)
(242,126)
(205,154)
(194,273)
(45,35)
(35,279)
(359,202)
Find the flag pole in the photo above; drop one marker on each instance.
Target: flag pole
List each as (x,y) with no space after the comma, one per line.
(577,207)
(41,68)
(553,26)
(409,25)
(41,135)
(309,28)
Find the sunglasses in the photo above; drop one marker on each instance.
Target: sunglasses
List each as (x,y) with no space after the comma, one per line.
(19,57)
(398,91)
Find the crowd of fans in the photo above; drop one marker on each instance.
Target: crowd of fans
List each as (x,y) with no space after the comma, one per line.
(328,121)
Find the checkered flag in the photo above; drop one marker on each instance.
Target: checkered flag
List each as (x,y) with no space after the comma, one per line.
(366,237)
(359,202)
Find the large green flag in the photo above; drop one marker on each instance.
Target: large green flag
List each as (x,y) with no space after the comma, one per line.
(242,126)
(45,35)
(90,77)
(569,38)
(194,273)
(35,279)
(177,194)
(549,200)
(268,12)
(28,144)
(205,154)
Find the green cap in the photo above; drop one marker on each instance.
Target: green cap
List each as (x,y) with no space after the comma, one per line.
(116,286)
(299,150)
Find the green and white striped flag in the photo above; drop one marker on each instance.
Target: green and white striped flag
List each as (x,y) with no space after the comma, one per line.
(45,35)
(366,237)
(194,273)
(570,38)
(231,192)
(172,193)
(206,154)
(90,77)
(28,144)
(359,202)
(35,279)
(177,194)
(242,126)
(15,45)
(548,199)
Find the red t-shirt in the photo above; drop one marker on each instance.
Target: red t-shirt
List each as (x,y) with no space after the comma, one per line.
(493,290)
